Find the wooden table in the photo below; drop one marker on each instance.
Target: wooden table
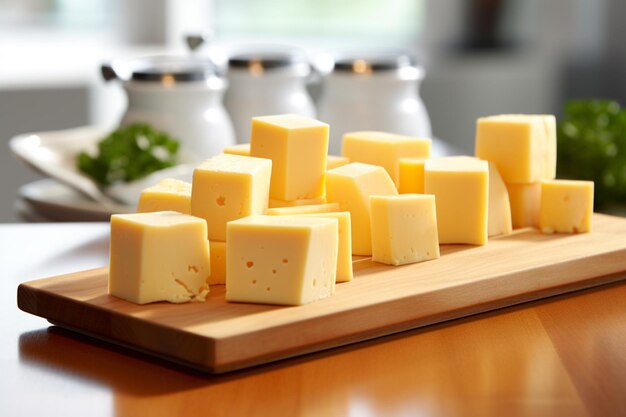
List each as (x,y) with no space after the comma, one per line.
(564,356)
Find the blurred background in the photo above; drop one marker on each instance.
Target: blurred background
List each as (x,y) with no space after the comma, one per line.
(481,56)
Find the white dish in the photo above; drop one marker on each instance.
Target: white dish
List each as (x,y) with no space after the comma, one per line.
(54,155)
(54,201)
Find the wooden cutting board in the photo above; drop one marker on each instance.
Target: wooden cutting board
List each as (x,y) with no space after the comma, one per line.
(217,336)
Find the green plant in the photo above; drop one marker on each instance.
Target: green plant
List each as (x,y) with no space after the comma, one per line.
(592,146)
(129,153)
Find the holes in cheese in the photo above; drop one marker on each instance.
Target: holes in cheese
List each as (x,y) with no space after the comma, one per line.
(228,187)
(298,252)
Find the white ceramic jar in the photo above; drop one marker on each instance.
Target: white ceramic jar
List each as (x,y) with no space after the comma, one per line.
(179,95)
(265,81)
(373,91)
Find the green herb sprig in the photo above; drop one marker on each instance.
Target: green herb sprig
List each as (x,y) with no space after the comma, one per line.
(592,146)
(129,153)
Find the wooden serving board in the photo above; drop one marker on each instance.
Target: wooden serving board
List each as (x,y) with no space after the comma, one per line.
(217,336)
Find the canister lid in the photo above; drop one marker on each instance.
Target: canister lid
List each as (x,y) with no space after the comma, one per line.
(258,59)
(163,69)
(174,68)
(367,62)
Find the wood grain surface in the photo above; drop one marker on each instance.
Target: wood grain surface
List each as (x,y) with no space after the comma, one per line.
(216,336)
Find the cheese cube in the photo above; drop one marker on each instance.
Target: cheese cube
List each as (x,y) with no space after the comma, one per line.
(218,262)
(499,211)
(288,260)
(167,195)
(160,256)
(461,189)
(525,200)
(243,149)
(384,149)
(411,173)
(404,228)
(228,187)
(297,146)
(313,208)
(523,147)
(335,161)
(293,203)
(344,254)
(566,206)
(351,186)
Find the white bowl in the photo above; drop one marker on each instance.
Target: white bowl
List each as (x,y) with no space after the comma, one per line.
(54,155)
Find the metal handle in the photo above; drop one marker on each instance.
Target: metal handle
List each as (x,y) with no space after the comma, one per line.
(197,40)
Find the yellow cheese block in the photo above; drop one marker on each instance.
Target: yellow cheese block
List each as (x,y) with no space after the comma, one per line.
(525,200)
(279,203)
(411,172)
(313,208)
(461,189)
(344,254)
(404,228)
(384,149)
(242,149)
(167,195)
(228,187)
(288,260)
(499,206)
(160,256)
(335,161)
(351,186)
(523,147)
(566,206)
(297,146)
(218,263)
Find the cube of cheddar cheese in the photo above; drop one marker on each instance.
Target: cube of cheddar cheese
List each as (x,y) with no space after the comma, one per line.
(218,262)
(289,260)
(351,186)
(167,195)
(461,189)
(384,149)
(297,146)
(411,175)
(499,205)
(229,187)
(242,149)
(296,203)
(335,161)
(160,256)
(313,208)
(344,253)
(404,228)
(525,201)
(523,147)
(566,206)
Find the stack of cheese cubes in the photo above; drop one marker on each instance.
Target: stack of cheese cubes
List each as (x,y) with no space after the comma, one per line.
(278,220)
(523,148)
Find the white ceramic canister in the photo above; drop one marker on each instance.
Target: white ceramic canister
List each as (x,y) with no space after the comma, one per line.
(373,91)
(178,95)
(264,81)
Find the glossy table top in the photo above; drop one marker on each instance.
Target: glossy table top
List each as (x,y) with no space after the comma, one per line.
(564,356)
